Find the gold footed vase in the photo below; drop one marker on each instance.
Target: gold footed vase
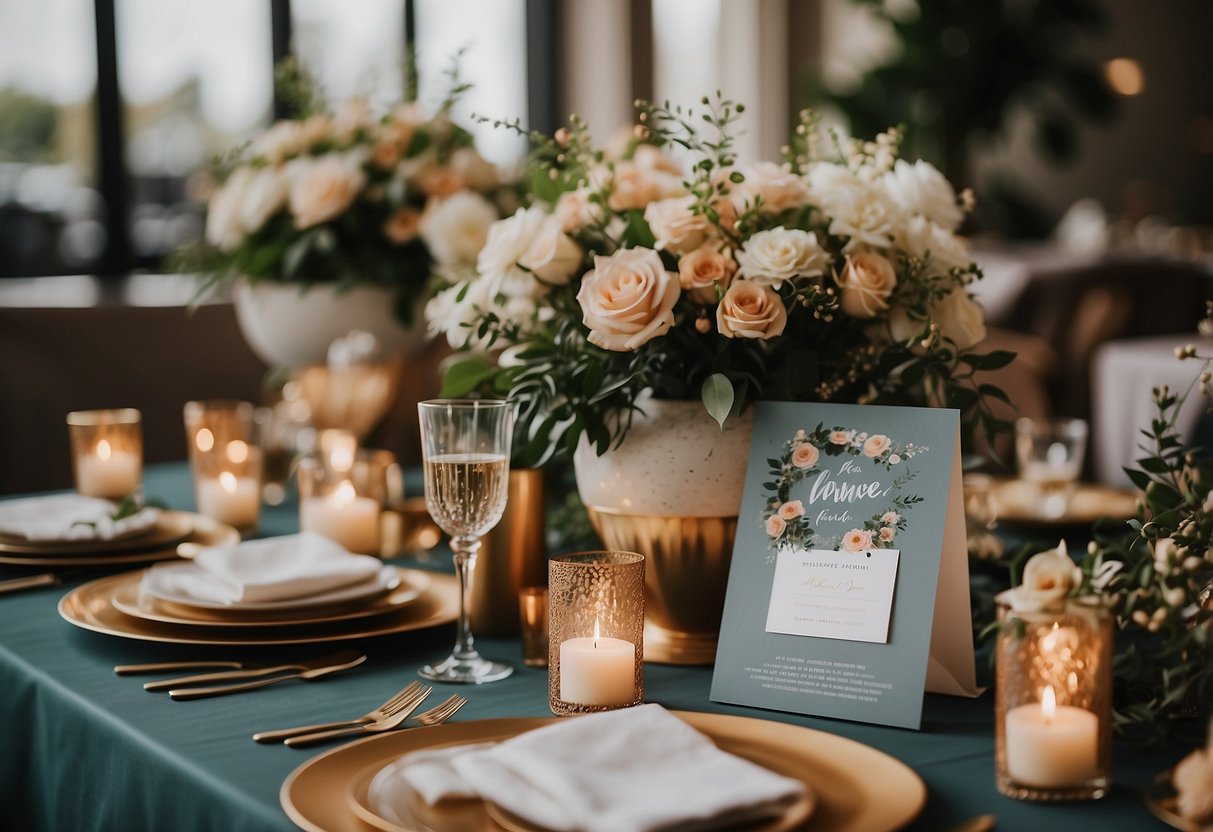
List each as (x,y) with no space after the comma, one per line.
(686,574)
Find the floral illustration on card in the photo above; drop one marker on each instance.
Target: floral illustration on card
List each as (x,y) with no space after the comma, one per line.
(787,515)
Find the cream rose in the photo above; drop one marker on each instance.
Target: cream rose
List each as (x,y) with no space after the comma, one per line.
(279,143)
(749,310)
(939,248)
(775,525)
(857,540)
(887,534)
(918,188)
(875,445)
(769,186)
(628,299)
(1048,578)
(354,116)
(805,456)
(402,226)
(476,171)
(1193,779)
(771,257)
(866,283)
(960,319)
(791,510)
(702,270)
(574,210)
(890,518)
(632,185)
(224,228)
(455,228)
(439,180)
(840,437)
(530,243)
(675,226)
(324,187)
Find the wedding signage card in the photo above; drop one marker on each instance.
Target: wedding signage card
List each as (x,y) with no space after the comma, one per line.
(848,592)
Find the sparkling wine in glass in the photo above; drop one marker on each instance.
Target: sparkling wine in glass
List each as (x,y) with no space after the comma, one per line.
(465,448)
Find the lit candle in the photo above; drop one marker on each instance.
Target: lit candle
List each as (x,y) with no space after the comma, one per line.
(230,499)
(108,472)
(1052,745)
(598,670)
(345,517)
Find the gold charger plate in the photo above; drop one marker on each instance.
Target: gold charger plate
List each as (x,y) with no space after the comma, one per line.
(1015,502)
(90,606)
(856,788)
(411,585)
(203,531)
(170,528)
(1161,801)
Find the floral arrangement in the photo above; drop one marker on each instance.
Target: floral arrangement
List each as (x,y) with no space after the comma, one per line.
(351,197)
(784,518)
(836,275)
(1159,579)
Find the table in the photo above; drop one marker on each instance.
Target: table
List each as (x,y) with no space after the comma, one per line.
(85,749)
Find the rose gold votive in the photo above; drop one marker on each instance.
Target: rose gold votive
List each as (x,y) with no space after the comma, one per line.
(595,632)
(533,615)
(107,451)
(226,461)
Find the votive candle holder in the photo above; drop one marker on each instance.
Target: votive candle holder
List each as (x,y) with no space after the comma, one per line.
(226,461)
(107,452)
(595,632)
(344,503)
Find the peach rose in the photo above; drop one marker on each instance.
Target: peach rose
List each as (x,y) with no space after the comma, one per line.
(805,456)
(701,270)
(322,188)
(892,518)
(439,180)
(840,437)
(403,226)
(385,155)
(857,540)
(633,186)
(866,282)
(628,299)
(775,525)
(575,210)
(676,227)
(279,143)
(875,445)
(749,310)
(778,187)
(791,510)
(886,533)
(1047,579)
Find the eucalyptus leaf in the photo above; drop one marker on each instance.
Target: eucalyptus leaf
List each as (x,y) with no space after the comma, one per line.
(717,394)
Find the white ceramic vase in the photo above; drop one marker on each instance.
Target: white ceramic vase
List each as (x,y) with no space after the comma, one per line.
(289,328)
(672,492)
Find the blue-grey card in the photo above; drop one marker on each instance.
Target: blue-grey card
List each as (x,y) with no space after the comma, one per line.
(848,592)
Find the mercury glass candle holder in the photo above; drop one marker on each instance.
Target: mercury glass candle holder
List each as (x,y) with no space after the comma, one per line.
(344,503)
(226,461)
(107,452)
(1053,702)
(595,632)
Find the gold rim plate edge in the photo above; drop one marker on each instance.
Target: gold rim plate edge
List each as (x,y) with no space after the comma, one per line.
(857,787)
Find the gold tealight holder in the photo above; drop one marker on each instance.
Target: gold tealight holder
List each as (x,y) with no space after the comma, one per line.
(595,632)
(107,452)
(226,461)
(1053,703)
(344,502)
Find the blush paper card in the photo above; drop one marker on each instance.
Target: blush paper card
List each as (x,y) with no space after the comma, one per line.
(848,592)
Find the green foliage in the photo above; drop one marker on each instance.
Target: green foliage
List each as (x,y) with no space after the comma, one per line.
(27,127)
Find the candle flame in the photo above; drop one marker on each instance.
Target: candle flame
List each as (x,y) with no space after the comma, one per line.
(103,450)
(344,493)
(237,451)
(205,440)
(1048,704)
(597,633)
(227,481)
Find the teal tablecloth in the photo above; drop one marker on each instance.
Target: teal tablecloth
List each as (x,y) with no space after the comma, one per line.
(81,748)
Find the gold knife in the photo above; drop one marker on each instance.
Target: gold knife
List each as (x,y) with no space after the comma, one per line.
(220,690)
(251,673)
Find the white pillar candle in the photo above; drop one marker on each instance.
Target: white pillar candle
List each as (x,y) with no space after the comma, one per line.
(598,670)
(108,472)
(229,499)
(345,517)
(1051,746)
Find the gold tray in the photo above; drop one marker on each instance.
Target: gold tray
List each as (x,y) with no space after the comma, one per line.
(1015,502)
(170,528)
(90,606)
(856,788)
(1161,801)
(412,585)
(187,528)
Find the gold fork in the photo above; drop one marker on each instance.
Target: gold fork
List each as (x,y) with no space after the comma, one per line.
(434,716)
(406,700)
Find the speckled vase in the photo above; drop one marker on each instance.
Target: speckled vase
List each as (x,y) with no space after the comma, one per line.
(672,491)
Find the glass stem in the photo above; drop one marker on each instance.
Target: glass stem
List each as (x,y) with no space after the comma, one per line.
(464,548)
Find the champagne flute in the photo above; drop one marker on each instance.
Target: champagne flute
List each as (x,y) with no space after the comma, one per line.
(465,446)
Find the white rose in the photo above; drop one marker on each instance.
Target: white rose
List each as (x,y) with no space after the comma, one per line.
(960,319)
(475,170)
(866,282)
(224,228)
(279,143)
(750,310)
(455,228)
(527,246)
(1193,779)
(263,196)
(778,187)
(456,317)
(676,228)
(628,299)
(1048,578)
(322,188)
(354,116)
(939,248)
(771,257)
(918,188)
(858,209)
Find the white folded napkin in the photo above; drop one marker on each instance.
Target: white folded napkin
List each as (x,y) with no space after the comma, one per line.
(632,770)
(260,571)
(70,517)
